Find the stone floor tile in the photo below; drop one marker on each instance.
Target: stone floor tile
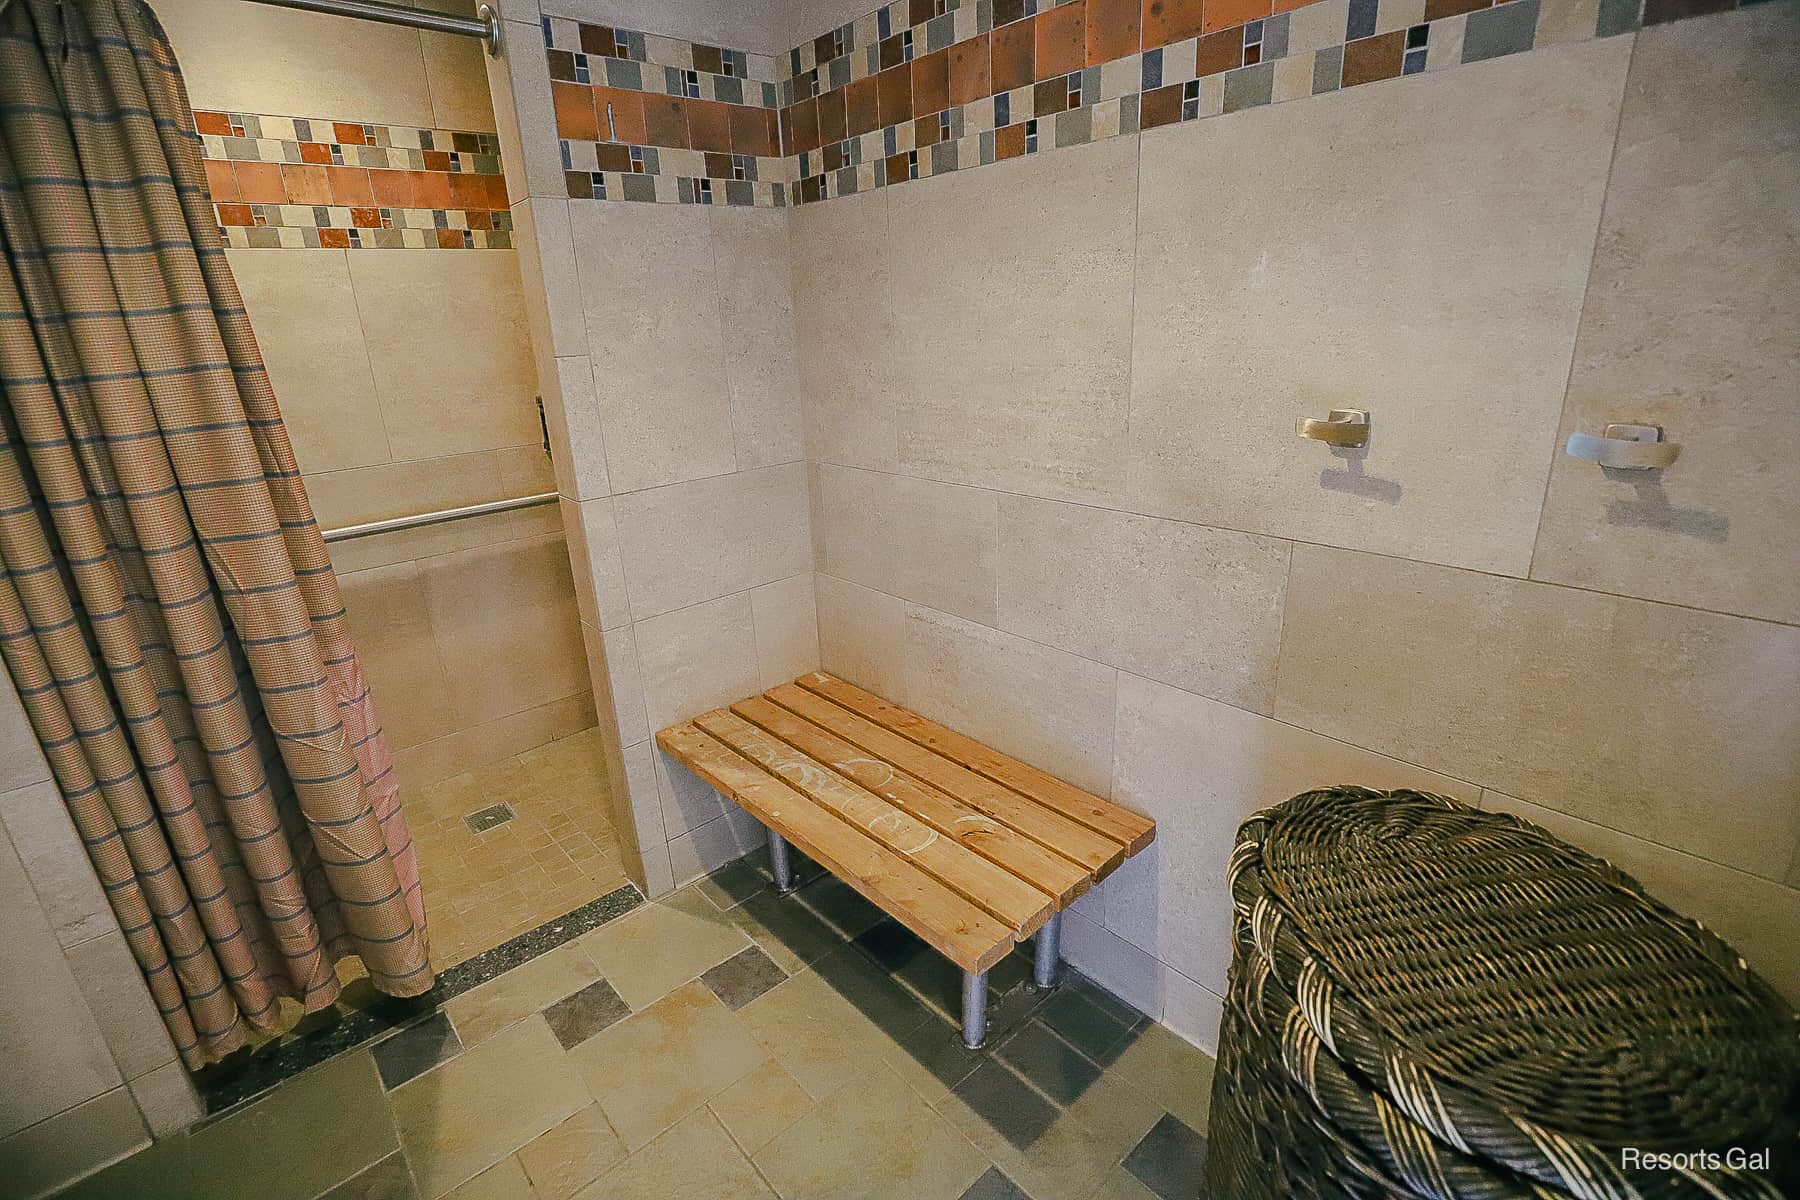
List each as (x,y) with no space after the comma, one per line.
(1095,1031)
(573,1155)
(1169,1069)
(654,1068)
(994,1185)
(415,1050)
(1120,1184)
(760,1105)
(477,1109)
(521,992)
(505,1180)
(876,1140)
(743,977)
(1048,1063)
(818,1036)
(389,1179)
(658,948)
(1170,1160)
(576,1018)
(696,1158)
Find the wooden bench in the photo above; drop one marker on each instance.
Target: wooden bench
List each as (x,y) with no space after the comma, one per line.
(968,848)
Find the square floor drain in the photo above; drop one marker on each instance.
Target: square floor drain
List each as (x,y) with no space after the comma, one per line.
(487,818)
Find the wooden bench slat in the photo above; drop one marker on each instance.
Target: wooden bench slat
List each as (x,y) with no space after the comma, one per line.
(1004,896)
(1045,870)
(958,930)
(1081,845)
(1120,824)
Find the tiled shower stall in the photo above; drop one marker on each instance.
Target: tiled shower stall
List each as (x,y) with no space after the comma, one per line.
(956,349)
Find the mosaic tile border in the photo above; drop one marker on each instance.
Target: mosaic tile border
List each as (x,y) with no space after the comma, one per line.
(345,1027)
(311,183)
(909,91)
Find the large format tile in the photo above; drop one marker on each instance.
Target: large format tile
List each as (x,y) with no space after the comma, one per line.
(55,861)
(113,986)
(1050,708)
(49,1155)
(697,658)
(450,350)
(818,1036)
(1759,918)
(506,626)
(475,1110)
(648,953)
(861,634)
(1676,724)
(54,1050)
(874,1139)
(391,621)
(1689,324)
(653,1069)
(1196,607)
(690,542)
(456,71)
(930,542)
(843,321)
(695,1158)
(1434,279)
(756,302)
(1200,768)
(760,1105)
(1012,321)
(650,295)
(786,618)
(575,1153)
(304,312)
(305,65)
(291,1145)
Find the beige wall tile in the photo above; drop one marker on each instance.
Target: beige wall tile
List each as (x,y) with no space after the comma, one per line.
(1316,26)
(304,312)
(754,264)
(456,72)
(1760,919)
(1566,21)
(707,538)
(54,1153)
(1689,324)
(402,488)
(654,333)
(1199,608)
(506,627)
(1192,1011)
(1012,308)
(390,620)
(572,417)
(1047,707)
(546,249)
(479,745)
(303,64)
(55,860)
(697,658)
(844,326)
(498,1095)
(1455,333)
(113,985)
(599,574)
(524,114)
(21,761)
(167,1099)
(450,349)
(646,814)
(55,1055)
(1125,970)
(927,541)
(724,839)
(861,634)
(619,646)
(786,619)
(1200,768)
(1677,724)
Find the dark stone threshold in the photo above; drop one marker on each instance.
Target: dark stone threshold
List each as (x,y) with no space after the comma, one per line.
(362,1014)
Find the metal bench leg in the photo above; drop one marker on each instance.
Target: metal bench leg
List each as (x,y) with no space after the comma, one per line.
(1049,950)
(778,863)
(974,1009)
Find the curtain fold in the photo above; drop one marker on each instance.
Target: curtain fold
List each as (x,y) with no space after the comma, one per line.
(168,611)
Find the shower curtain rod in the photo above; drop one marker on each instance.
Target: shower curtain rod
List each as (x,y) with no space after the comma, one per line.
(485,24)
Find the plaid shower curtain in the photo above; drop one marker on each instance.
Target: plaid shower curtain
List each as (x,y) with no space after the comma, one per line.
(168,612)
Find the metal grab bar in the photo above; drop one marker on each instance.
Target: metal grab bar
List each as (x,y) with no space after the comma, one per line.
(416,520)
(484,25)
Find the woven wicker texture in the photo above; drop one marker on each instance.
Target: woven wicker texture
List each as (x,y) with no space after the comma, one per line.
(1431,1000)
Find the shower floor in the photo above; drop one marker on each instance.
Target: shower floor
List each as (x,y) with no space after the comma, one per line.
(722,1043)
(556,850)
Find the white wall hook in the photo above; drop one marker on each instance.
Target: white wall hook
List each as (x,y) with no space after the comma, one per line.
(1627,447)
(1341,427)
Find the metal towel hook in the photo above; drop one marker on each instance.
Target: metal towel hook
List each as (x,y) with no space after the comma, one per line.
(1625,447)
(1341,427)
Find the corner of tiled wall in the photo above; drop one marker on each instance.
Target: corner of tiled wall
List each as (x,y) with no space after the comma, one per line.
(94,1073)
(664,343)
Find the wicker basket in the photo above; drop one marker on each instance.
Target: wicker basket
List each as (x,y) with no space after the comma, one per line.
(1427,1000)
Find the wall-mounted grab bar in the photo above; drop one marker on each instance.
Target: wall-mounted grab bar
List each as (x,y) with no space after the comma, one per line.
(1341,427)
(1628,447)
(416,520)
